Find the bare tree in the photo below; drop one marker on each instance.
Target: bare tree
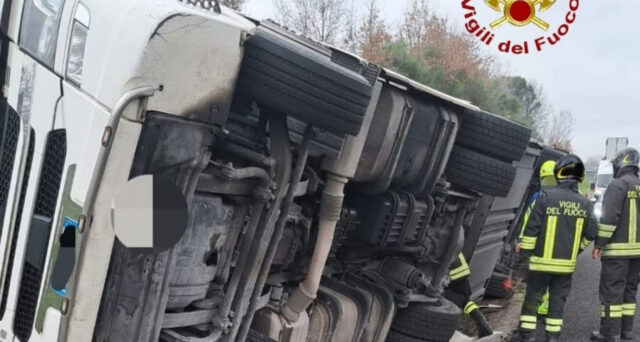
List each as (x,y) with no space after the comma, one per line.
(351,37)
(416,23)
(322,20)
(373,35)
(535,108)
(559,132)
(233,4)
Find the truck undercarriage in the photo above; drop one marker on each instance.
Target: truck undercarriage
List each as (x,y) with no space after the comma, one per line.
(327,207)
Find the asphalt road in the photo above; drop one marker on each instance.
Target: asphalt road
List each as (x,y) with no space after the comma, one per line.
(582,313)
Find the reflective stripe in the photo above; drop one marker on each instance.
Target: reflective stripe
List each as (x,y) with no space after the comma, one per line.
(553,262)
(458,275)
(629,309)
(470,307)
(585,243)
(621,249)
(616,311)
(553,321)
(621,246)
(576,240)
(460,271)
(553,328)
(528,242)
(633,221)
(550,237)
(552,269)
(604,234)
(528,322)
(552,265)
(553,325)
(607,228)
(526,218)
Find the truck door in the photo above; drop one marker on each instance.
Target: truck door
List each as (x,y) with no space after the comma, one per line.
(33,91)
(83,119)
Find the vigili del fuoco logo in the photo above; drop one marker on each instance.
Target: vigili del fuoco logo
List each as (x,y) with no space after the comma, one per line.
(551,27)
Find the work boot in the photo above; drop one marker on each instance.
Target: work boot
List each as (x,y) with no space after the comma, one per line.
(483,327)
(524,336)
(598,337)
(626,335)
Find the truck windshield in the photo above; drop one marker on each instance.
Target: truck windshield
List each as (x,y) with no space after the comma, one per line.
(603,180)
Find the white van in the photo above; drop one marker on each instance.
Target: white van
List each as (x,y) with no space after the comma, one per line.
(603,177)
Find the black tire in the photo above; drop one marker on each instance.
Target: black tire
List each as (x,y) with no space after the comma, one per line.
(502,268)
(480,173)
(426,321)
(493,135)
(495,287)
(303,83)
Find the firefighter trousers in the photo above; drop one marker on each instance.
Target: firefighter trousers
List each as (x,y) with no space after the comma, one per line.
(618,290)
(459,293)
(559,286)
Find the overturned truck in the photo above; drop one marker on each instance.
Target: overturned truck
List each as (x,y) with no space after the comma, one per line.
(327,197)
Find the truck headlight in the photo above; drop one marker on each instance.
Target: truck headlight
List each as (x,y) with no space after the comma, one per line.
(76,52)
(79,33)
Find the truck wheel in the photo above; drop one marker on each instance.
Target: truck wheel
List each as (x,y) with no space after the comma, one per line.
(480,173)
(496,287)
(427,321)
(493,135)
(303,83)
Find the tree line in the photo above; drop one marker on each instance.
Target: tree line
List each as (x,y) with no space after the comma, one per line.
(428,48)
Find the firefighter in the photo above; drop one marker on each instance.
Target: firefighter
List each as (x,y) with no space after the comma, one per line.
(459,292)
(561,225)
(618,245)
(547,181)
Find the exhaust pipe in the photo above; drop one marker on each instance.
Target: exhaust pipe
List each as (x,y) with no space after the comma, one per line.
(339,171)
(330,208)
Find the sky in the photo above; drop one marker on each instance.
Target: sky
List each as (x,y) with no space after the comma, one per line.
(594,70)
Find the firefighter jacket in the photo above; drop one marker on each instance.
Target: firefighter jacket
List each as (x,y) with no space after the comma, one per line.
(561,225)
(527,213)
(618,234)
(459,268)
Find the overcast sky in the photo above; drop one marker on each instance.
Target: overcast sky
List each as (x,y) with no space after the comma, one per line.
(594,71)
